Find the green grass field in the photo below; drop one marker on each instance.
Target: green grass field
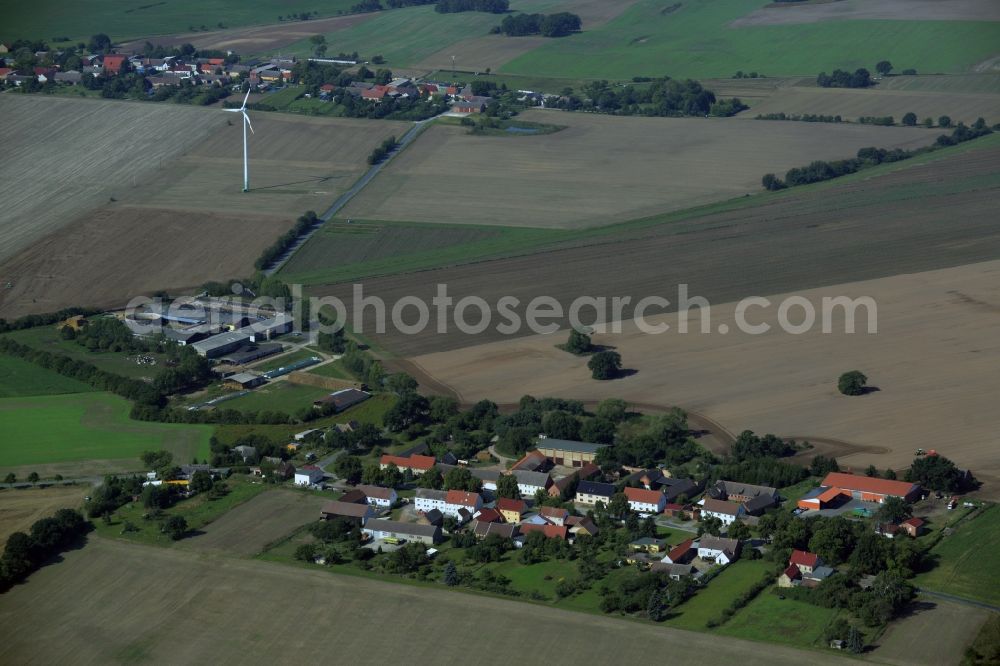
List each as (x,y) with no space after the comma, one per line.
(85,427)
(718,594)
(546,84)
(774,620)
(406,36)
(49,19)
(333,369)
(968,561)
(198,511)
(277,397)
(276,362)
(47,339)
(696,41)
(19,378)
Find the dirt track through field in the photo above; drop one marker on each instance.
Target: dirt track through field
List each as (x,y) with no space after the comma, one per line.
(122,602)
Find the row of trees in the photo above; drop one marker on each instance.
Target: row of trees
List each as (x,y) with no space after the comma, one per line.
(559,24)
(455,6)
(286,240)
(26,552)
(660,97)
(383,150)
(861,78)
(821,170)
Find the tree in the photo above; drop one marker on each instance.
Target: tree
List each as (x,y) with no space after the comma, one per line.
(605,365)
(656,609)
(305,552)
(10,478)
(561,425)
(175,527)
(833,540)
(944,121)
(771,182)
(738,530)
(612,409)
(936,473)
(893,510)
(883,67)
(349,468)
(854,643)
(618,505)
(460,478)
(99,43)
(852,383)
(578,343)
(910,119)
(507,487)
(442,408)
(33,477)
(432,478)
(450,574)
(201,481)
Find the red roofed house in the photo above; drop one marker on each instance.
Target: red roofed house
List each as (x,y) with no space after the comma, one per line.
(375,93)
(511,509)
(43,74)
(113,63)
(415,463)
(789,576)
(805,561)
(550,531)
(327,88)
(489,516)
(913,526)
(682,553)
(871,489)
(562,485)
(461,499)
(645,501)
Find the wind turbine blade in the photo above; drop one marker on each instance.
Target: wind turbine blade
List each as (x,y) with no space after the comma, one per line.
(233,110)
(247,118)
(245,99)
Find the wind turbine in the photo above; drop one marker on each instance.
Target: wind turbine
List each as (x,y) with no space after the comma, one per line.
(246,123)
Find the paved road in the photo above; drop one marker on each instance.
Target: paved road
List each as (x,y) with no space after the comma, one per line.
(959,600)
(344,198)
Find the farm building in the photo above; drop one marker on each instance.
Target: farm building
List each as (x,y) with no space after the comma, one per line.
(822,498)
(569,453)
(337,509)
(682,553)
(221,344)
(581,525)
(736,491)
(343,399)
(533,461)
(266,329)
(550,531)
(457,500)
(243,381)
(673,571)
(392,529)
(483,529)
(251,353)
(308,475)
(417,464)
(474,104)
(561,486)
(487,476)
(725,511)
(530,483)
(870,489)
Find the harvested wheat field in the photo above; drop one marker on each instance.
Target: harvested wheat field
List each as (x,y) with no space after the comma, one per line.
(117,252)
(251,526)
(600,169)
(852,104)
(932,633)
(137,611)
(22,507)
(871,10)
(63,157)
(297,163)
(933,359)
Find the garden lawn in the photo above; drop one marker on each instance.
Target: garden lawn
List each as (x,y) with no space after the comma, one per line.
(333,369)
(88,426)
(716,596)
(19,378)
(769,618)
(968,561)
(529,578)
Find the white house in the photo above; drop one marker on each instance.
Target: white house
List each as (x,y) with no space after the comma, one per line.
(427,499)
(530,483)
(592,492)
(725,511)
(718,550)
(645,502)
(378,496)
(456,500)
(308,475)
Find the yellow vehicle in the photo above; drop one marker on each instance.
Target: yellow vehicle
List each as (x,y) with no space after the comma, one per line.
(392,541)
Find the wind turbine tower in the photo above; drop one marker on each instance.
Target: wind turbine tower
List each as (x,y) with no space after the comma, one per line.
(246,123)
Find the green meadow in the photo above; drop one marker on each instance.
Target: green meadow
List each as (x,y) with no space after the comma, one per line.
(19,378)
(697,41)
(87,427)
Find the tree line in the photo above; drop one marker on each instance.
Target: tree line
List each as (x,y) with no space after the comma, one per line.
(661,97)
(26,552)
(274,251)
(455,6)
(383,150)
(821,170)
(559,24)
